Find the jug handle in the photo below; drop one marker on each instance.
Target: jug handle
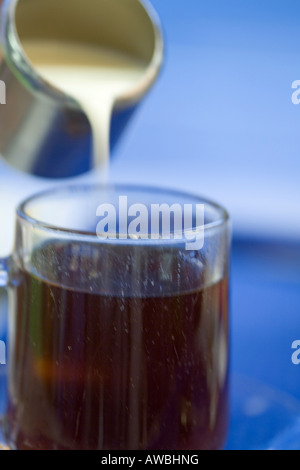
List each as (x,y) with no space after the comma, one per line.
(5,265)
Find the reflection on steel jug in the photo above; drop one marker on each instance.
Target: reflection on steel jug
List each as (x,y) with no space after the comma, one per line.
(44,130)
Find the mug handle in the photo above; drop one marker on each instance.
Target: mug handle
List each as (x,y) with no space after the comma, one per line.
(5,265)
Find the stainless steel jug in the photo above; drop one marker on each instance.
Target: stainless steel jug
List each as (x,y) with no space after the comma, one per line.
(43,131)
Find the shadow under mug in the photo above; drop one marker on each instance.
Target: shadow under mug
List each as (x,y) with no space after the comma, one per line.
(118,323)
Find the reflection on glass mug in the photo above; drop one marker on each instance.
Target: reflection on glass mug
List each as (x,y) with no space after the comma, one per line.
(117,341)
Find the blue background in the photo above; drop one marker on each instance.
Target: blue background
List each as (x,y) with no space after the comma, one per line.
(220,122)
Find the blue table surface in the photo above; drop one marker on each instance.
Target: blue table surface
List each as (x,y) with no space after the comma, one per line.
(265,321)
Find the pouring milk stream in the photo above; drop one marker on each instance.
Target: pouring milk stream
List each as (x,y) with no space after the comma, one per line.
(72,69)
(95,77)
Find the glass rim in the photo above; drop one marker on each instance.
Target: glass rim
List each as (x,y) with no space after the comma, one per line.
(22,208)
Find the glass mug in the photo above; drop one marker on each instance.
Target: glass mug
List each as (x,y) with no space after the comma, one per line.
(118,325)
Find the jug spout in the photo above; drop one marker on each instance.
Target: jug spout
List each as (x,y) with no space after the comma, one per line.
(44,130)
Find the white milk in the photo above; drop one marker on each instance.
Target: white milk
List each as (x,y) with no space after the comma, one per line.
(95,77)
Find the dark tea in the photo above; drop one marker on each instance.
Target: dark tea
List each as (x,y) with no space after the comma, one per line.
(127,351)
